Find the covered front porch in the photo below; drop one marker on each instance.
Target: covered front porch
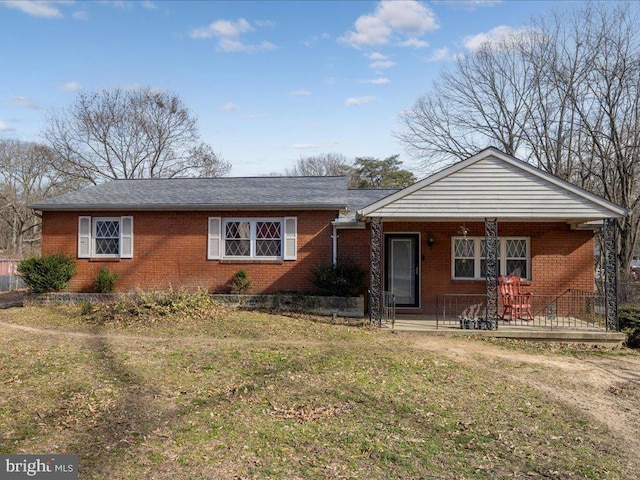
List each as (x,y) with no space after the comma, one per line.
(438,247)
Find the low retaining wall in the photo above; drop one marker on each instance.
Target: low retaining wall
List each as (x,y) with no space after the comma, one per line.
(341,306)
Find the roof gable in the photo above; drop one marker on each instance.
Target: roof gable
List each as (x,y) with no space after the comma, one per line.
(493,184)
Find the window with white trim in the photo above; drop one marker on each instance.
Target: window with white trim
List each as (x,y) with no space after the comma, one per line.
(105,237)
(469,257)
(252,238)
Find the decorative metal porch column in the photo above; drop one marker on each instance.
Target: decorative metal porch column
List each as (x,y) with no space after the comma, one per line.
(491,254)
(610,244)
(375,262)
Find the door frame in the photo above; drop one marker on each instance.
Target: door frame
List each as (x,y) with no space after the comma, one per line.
(415,236)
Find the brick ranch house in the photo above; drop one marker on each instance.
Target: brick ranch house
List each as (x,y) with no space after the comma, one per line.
(426,240)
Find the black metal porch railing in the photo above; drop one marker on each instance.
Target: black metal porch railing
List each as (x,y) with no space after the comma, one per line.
(387,309)
(572,309)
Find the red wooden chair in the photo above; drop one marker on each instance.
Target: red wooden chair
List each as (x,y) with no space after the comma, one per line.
(515,303)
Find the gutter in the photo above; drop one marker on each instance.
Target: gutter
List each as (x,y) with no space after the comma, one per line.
(179,208)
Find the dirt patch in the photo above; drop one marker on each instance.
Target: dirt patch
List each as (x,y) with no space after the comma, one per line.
(604,388)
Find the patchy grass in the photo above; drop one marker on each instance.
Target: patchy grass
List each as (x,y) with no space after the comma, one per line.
(253,395)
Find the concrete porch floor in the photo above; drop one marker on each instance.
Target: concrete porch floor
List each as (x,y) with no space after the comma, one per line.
(577,333)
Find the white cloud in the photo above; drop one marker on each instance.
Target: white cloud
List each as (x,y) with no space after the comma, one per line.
(301,93)
(5,127)
(21,101)
(228,34)
(149,5)
(414,42)
(495,36)
(222,28)
(38,8)
(355,101)
(265,23)
(376,56)
(391,17)
(381,64)
(230,45)
(305,146)
(377,81)
(313,39)
(71,87)
(439,55)
(81,15)
(230,107)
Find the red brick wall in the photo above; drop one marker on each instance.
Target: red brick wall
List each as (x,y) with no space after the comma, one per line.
(561,258)
(170,249)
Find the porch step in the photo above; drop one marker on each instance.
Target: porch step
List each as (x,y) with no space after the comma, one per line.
(542,335)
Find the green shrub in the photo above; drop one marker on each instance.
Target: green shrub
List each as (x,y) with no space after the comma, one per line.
(48,273)
(340,280)
(240,282)
(105,281)
(629,318)
(86,308)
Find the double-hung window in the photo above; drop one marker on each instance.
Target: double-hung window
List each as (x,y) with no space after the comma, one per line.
(469,257)
(105,237)
(252,238)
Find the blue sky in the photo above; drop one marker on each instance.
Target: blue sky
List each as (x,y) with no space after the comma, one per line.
(268,81)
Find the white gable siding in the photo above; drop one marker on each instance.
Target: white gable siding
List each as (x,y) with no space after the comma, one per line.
(491,187)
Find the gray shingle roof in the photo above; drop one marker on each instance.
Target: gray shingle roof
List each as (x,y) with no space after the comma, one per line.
(206,193)
(361,197)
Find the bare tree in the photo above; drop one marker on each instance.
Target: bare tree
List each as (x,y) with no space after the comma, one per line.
(481,102)
(564,95)
(25,177)
(141,133)
(325,164)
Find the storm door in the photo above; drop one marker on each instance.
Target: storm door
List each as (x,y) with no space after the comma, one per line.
(402,268)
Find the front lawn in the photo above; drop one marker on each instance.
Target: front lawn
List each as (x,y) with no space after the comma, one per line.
(253,395)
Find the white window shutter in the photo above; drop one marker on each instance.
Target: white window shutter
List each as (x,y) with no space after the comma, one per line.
(290,238)
(126,237)
(84,237)
(213,247)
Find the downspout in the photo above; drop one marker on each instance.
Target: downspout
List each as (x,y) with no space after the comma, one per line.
(335,245)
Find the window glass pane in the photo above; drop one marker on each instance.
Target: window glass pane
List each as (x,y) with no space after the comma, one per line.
(464,268)
(107,229)
(268,230)
(237,248)
(107,246)
(464,248)
(268,248)
(517,268)
(516,248)
(238,230)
